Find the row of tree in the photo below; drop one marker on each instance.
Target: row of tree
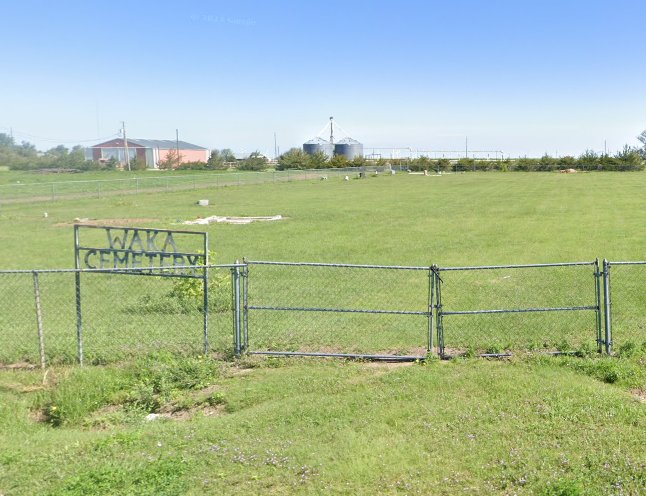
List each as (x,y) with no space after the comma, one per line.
(296,158)
(225,159)
(24,156)
(628,159)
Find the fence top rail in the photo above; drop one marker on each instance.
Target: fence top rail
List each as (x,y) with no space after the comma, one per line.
(209,175)
(519,266)
(640,262)
(352,266)
(122,270)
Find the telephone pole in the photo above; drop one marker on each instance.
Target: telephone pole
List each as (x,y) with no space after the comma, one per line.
(177,145)
(125,144)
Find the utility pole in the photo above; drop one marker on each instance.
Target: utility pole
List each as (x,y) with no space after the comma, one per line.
(125,144)
(275,147)
(177,145)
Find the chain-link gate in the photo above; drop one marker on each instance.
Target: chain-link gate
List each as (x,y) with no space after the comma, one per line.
(495,310)
(316,309)
(625,304)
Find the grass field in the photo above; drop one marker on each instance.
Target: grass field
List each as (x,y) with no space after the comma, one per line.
(453,220)
(25,187)
(464,219)
(529,425)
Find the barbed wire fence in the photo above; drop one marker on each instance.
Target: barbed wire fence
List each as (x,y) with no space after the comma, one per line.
(322,309)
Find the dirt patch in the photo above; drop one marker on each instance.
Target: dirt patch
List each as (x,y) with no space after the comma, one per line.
(184,415)
(387,365)
(23,388)
(38,416)
(106,222)
(18,366)
(240,371)
(639,394)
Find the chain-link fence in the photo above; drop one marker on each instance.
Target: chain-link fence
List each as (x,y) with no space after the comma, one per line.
(625,297)
(114,315)
(502,309)
(337,309)
(50,191)
(320,309)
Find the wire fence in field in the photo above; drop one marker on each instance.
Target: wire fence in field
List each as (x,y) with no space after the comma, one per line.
(50,191)
(283,308)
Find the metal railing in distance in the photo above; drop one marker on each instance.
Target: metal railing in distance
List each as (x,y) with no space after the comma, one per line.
(496,310)
(625,302)
(146,183)
(338,310)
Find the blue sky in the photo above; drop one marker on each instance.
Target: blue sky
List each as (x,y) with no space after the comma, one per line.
(525,77)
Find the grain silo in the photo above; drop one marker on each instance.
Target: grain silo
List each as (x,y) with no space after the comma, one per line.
(316,145)
(349,148)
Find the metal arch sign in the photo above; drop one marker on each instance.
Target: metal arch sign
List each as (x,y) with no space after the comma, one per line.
(143,251)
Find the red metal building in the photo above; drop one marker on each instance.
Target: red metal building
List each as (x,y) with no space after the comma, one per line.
(150,152)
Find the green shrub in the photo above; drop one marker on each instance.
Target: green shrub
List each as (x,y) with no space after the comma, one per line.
(563,488)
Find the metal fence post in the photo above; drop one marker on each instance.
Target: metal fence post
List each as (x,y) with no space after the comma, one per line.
(597,283)
(39,321)
(245,307)
(205,283)
(235,272)
(206,306)
(79,319)
(79,315)
(438,311)
(607,303)
(431,294)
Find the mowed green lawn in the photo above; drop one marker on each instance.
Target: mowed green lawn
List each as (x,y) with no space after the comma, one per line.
(452,220)
(464,219)
(537,425)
